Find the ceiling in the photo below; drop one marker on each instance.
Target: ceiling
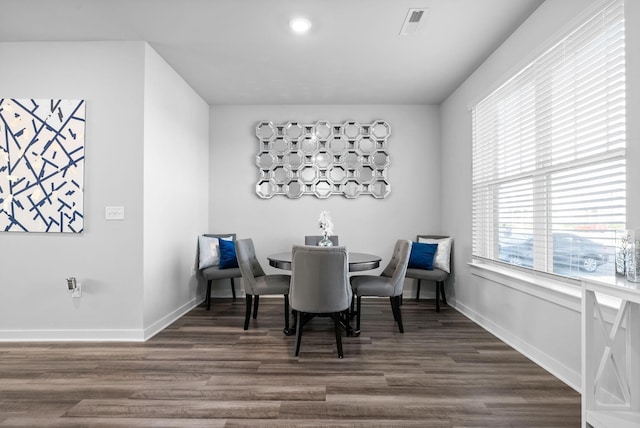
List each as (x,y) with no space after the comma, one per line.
(242,52)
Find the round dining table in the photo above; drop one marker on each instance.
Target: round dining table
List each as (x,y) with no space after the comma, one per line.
(357,261)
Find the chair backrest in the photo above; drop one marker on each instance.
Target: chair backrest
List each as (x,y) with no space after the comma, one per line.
(314,239)
(221,235)
(431,237)
(248,263)
(397,267)
(319,279)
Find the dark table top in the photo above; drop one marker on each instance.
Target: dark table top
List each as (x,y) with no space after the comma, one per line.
(357,261)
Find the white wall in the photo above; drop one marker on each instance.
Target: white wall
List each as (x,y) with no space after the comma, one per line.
(107,257)
(547,332)
(364,224)
(134,131)
(176,189)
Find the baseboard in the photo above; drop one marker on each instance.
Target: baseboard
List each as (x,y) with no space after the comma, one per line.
(98,335)
(570,377)
(169,319)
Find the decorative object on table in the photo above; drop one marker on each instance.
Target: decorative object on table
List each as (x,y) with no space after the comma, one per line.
(326,225)
(42,165)
(633,256)
(323,159)
(314,239)
(623,241)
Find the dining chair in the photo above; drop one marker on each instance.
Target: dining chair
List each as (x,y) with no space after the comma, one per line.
(314,239)
(209,256)
(320,286)
(389,283)
(257,283)
(441,266)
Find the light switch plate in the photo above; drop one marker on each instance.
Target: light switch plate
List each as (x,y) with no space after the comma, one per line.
(114,213)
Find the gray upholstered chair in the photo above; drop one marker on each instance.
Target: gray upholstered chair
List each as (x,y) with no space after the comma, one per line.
(314,239)
(320,286)
(389,283)
(257,283)
(438,275)
(214,272)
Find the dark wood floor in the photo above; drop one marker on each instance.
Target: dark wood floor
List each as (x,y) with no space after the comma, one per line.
(205,371)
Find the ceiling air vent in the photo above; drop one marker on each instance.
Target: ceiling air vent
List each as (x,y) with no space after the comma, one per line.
(413,21)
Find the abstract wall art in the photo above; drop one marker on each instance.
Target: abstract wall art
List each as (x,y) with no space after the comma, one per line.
(42,165)
(323,159)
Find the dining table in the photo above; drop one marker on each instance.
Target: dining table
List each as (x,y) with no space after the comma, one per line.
(358,262)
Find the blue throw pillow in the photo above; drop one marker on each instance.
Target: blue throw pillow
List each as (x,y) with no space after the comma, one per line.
(421,256)
(228,254)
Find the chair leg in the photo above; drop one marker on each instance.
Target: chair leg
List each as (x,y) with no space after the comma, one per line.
(358,312)
(399,314)
(418,292)
(437,297)
(298,332)
(393,308)
(247,312)
(290,331)
(346,316)
(209,295)
(286,315)
(233,289)
(444,298)
(255,307)
(336,324)
(352,312)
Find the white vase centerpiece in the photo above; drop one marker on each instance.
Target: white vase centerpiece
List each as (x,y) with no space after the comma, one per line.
(326,225)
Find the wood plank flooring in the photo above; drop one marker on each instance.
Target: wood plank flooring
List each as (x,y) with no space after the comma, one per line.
(206,371)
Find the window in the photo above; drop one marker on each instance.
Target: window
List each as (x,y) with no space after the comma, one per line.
(549,175)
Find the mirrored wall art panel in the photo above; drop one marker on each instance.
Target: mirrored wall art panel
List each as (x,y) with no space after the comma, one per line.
(323,159)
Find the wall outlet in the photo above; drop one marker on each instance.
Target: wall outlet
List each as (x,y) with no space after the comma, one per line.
(77,292)
(114,213)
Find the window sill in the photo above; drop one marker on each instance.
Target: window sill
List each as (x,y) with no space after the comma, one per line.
(566,293)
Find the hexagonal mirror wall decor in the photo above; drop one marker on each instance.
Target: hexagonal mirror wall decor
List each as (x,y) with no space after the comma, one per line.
(322,159)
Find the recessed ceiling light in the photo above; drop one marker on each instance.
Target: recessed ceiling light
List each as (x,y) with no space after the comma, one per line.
(300,25)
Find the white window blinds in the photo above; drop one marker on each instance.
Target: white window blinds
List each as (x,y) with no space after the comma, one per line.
(549,155)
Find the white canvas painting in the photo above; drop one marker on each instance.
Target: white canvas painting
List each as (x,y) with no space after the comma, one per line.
(42,165)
